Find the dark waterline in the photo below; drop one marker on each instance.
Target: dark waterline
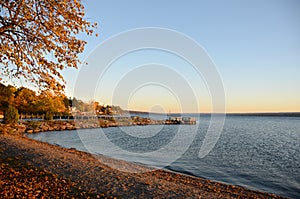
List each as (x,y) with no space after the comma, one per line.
(260,153)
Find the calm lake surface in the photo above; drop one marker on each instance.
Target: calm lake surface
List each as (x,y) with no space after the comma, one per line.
(260,153)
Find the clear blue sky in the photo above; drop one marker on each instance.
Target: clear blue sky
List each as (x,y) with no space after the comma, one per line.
(254,44)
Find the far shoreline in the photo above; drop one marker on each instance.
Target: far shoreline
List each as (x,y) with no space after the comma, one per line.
(265,114)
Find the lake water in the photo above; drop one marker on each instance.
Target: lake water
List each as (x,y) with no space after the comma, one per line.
(260,153)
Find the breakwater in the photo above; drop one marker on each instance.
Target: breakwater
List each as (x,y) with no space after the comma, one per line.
(105,121)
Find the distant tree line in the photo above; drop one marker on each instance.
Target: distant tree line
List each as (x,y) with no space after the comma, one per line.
(94,107)
(27,101)
(48,103)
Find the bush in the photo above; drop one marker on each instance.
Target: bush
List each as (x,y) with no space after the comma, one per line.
(11,115)
(49,116)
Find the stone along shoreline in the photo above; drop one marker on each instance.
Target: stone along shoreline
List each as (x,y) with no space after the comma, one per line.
(36,126)
(40,169)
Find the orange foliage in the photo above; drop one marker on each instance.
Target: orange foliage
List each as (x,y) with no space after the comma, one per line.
(38,39)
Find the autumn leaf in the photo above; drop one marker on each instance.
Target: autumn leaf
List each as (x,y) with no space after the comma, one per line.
(38,40)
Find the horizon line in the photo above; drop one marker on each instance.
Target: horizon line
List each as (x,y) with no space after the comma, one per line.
(226,113)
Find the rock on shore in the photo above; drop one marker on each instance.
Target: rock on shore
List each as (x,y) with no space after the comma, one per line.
(60,125)
(42,126)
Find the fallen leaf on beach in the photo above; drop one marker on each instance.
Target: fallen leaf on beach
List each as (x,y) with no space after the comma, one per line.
(18,181)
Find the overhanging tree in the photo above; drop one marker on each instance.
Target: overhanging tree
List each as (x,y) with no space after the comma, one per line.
(39,39)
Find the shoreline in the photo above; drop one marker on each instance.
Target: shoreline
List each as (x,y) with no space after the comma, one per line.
(94,175)
(37,126)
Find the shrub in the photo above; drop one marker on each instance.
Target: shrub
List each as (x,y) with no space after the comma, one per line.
(11,115)
(49,116)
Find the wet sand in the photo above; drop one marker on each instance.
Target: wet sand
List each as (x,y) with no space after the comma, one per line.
(84,175)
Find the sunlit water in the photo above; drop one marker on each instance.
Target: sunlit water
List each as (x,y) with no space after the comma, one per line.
(261,153)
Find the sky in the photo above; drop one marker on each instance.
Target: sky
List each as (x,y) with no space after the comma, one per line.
(254,45)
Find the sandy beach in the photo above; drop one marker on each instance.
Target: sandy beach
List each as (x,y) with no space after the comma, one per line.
(82,175)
